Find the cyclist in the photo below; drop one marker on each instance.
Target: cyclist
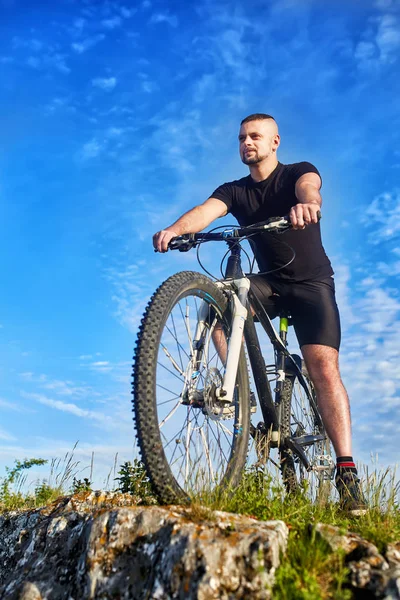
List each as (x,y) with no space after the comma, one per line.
(305,285)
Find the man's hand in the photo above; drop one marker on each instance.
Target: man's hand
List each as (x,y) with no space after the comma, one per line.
(162,238)
(302,215)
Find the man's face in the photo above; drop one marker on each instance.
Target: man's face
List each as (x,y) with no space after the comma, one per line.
(257,140)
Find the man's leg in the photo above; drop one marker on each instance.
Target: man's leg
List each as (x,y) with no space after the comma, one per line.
(323,366)
(333,403)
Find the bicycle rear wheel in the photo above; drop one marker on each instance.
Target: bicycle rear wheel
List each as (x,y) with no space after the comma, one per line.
(190,442)
(301,421)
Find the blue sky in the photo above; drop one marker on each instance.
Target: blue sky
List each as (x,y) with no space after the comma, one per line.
(115,118)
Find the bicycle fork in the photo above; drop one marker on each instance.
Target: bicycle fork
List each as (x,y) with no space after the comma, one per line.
(199,351)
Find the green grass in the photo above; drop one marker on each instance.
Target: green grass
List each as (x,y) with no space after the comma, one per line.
(310,570)
(16,494)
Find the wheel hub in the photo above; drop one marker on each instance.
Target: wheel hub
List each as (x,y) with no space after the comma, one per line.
(213,407)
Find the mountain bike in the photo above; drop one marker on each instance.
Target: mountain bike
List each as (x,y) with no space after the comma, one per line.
(191,395)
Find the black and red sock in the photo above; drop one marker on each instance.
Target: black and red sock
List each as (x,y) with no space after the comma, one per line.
(345,464)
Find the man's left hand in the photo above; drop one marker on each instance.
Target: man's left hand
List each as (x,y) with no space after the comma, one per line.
(302,215)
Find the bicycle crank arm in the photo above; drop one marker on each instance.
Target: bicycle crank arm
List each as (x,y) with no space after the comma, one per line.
(308,440)
(292,444)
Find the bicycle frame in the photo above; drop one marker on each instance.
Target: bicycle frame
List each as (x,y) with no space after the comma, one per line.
(237,285)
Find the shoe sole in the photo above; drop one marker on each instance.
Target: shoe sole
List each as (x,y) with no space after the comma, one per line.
(358,512)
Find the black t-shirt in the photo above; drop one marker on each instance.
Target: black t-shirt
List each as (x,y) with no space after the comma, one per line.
(251,202)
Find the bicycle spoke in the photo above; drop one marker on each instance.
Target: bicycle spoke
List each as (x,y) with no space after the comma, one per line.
(186,321)
(167,401)
(169,415)
(178,345)
(207,454)
(172,360)
(169,371)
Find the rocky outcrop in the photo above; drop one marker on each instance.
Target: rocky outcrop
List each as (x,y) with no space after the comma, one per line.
(100,546)
(103,545)
(371,574)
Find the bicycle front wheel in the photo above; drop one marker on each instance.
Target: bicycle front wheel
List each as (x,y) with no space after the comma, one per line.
(301,421)
(190,442)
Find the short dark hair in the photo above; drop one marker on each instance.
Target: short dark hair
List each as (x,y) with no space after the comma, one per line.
(257,117)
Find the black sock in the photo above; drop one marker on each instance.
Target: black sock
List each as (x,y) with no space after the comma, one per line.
(345,464)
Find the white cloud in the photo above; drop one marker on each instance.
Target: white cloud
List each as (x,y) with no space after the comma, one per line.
(383,3)
(365,51)
(4,435)
(71,408)
(114,132)
(131,287)
(80,23)
(112,23)
(388,38)
(383,217)
(149,86)
(52,61)
(369,363)
(34,62)
(105,83)
(164,18)
(10,405)
(86,44)
(59,386)
(380,42)
(101,366)
(33,45)
(390,269)
(91,149)
(127,13)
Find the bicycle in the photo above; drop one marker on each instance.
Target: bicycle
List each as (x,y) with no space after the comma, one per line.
(191,394)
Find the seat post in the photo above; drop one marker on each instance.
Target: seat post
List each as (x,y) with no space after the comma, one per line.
(280,355)
(283,328)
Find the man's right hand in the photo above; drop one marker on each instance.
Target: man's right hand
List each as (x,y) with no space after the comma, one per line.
(162,238)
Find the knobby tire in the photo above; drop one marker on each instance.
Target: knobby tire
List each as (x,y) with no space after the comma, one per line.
(156,326)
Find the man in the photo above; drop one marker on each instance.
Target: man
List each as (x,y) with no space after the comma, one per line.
(305,284)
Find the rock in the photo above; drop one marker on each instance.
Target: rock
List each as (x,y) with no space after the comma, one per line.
(99,546)
(393,554)
(369,570)
(354,546)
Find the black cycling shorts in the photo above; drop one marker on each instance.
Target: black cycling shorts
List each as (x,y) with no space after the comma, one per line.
(311,304)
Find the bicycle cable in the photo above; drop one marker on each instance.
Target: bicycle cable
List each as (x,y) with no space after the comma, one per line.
(237,243)
(223,258)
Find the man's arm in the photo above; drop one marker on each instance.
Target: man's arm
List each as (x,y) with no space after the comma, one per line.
(195,220)
(310,201)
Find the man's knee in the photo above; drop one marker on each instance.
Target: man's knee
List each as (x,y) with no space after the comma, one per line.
(322,363)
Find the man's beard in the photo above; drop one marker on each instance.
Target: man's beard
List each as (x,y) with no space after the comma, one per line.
(253,158)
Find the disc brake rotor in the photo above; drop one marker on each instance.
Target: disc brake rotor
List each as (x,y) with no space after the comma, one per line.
(214,408)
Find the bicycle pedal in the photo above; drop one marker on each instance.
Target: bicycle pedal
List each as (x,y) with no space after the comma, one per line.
(324,463)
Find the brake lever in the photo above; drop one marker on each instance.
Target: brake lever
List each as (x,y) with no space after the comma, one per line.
(183,243)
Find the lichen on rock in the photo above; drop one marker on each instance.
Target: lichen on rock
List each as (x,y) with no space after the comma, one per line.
(97,545)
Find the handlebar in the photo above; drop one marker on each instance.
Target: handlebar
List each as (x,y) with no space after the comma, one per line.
(186,242)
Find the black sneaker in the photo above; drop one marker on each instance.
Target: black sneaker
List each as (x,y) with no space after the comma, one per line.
(351,497)
(253,403)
